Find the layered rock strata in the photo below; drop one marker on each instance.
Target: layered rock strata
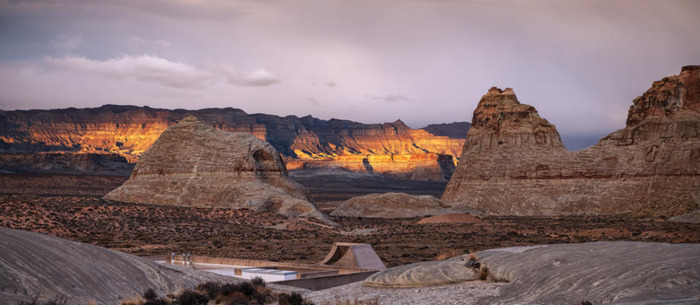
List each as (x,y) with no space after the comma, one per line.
(194,164)
(395,205)
(513,161)
(600,273)
(307,142)
(46,266)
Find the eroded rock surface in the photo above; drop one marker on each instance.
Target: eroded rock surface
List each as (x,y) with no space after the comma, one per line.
(193,164)
(513,161)
(422,274)
(394,205)
(600,273)
(33,263)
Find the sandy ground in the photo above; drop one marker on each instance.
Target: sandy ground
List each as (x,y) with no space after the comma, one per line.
(70,206)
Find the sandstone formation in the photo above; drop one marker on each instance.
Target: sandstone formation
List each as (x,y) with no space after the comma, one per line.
(455,270)
(600,273)
(394,205)
(33,263)
(193,164)
(513,161)
(307,142)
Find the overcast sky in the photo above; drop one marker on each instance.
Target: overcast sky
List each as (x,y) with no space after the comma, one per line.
(580,63)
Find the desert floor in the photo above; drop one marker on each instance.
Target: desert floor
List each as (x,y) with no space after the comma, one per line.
(70,206)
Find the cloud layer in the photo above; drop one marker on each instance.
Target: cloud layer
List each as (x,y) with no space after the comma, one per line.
(153,69)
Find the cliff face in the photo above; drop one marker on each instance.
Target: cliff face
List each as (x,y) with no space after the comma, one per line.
(128,131)
(513,161)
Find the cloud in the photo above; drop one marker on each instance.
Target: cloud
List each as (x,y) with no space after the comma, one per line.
(66,42)
(145,68)
(153,69)
(143,41)
(256,78)
(392,98)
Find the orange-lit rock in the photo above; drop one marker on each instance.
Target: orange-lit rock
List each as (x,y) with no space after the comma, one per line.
(513,161)
(128,131)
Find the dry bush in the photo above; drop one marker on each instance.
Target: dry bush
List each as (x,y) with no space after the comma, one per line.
(484,273)
(133,301)
(447,253)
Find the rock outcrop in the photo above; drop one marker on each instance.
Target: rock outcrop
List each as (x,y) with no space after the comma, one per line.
(600,273)
(394,205)
(38,264)
(194,164)
(306,142)
(513,161)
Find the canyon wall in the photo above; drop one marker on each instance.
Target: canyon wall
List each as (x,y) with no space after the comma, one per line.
(306,142)
(513,161)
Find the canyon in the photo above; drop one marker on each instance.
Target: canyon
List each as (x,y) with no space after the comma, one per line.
(513,161)
(112,131)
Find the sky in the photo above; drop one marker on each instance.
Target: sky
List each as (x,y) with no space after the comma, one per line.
(580,63)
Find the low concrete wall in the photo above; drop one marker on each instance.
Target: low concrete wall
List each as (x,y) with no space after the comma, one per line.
(320,283)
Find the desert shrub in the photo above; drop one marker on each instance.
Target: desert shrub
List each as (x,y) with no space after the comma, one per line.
(189,297)
(157,301)
(293,299)
(447,253)
(246,288)
(483,273)
(261,295)
(150,294)
(210,289)
(237,298)
(133,301)
(258,282)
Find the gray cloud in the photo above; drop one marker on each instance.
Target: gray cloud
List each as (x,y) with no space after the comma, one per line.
(153,69)
(143,41)
(256,78)
(145,68)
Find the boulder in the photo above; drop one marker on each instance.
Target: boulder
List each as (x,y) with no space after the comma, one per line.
(193,164)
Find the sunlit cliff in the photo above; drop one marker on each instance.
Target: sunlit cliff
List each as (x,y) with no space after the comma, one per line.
(306,142)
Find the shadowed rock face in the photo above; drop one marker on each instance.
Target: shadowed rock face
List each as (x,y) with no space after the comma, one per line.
(601,273)
(307,142)
(513,162)
(34,263)
(193,164)
(395,205)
